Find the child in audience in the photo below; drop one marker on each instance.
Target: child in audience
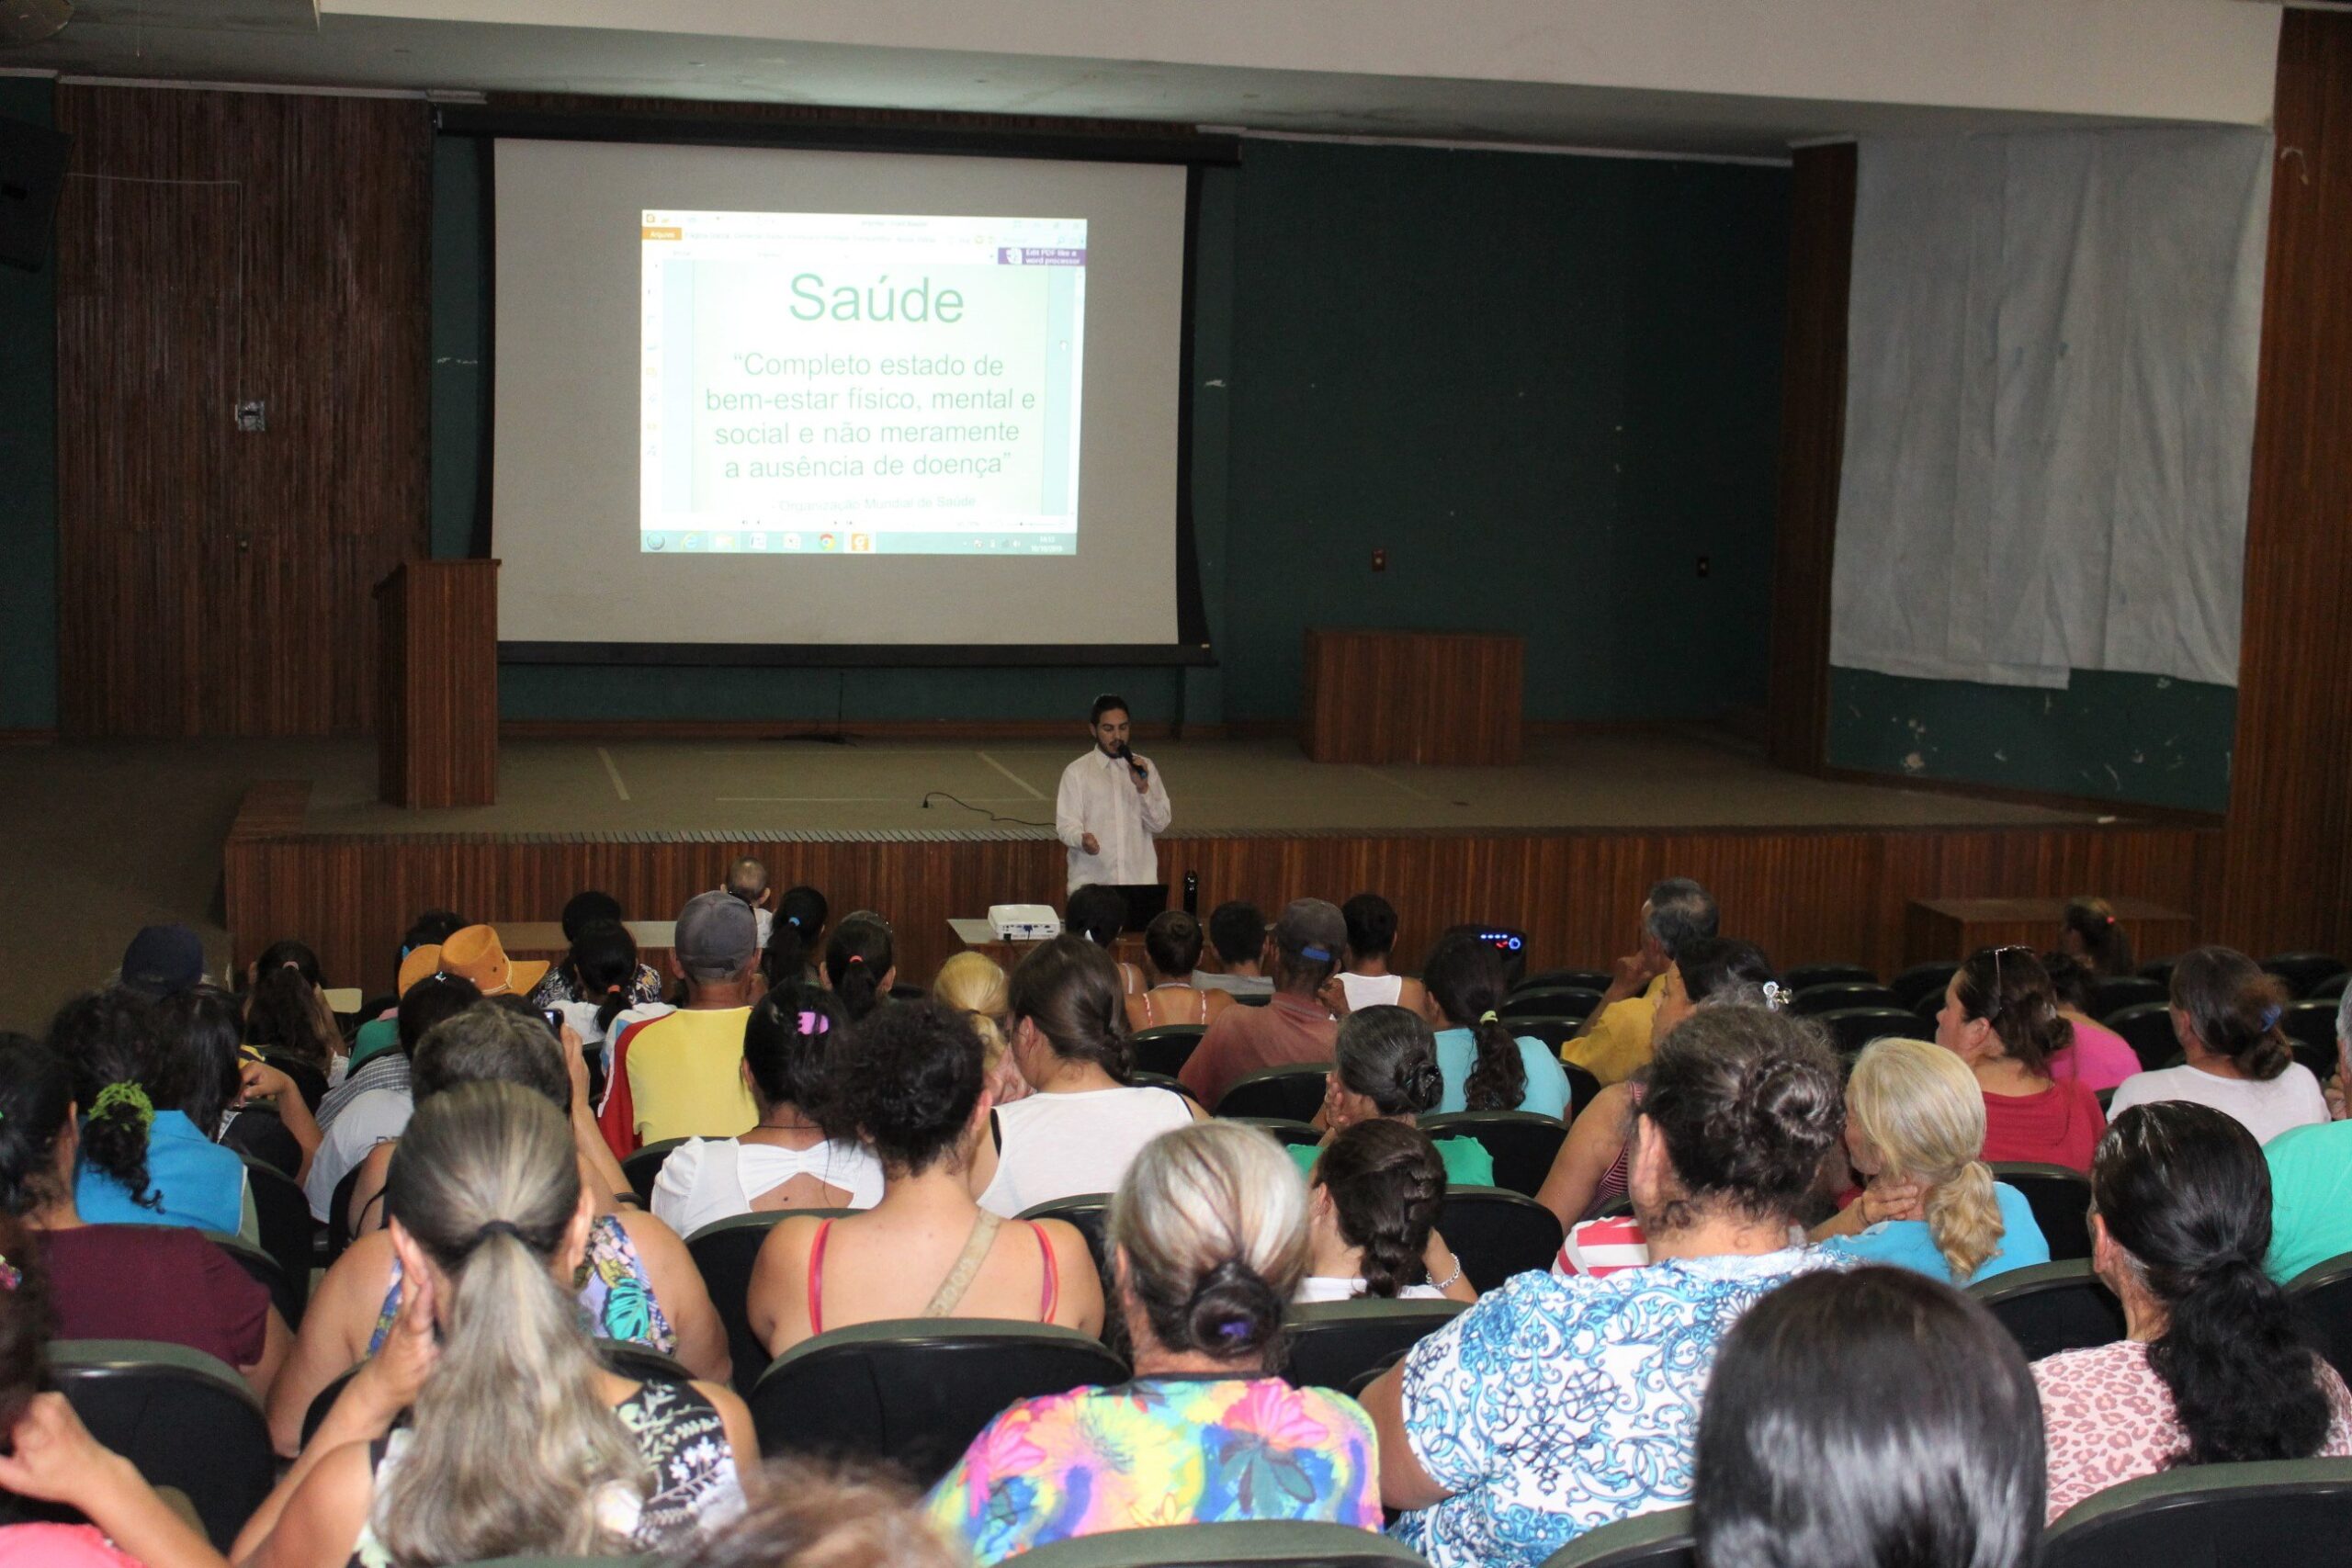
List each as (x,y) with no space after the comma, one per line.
(860,964)
(1365,975)
(796,939)
(1237,934)
(287,1011)
(1370,1211)
(143,1160)
(1384,1065)
(2000,1017)
(1483,1067)
(1861,1419)
(2088,930)
(975,985)
(1914,1131)
(793,1158)
(1099,913)
(522,1444)
(1209,1238)
(2212,1370)
(913,1088)
(1171,952)
(565,983)
(2095,1055)
(2225,1013)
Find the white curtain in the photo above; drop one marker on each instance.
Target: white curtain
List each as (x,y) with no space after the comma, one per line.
(2050,404)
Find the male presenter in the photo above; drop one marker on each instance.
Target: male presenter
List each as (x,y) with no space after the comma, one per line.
(1110,804)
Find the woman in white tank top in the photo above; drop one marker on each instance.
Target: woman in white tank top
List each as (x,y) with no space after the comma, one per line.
(1079,1132)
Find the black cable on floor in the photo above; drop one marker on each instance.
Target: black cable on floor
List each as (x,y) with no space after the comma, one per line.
(1016,821)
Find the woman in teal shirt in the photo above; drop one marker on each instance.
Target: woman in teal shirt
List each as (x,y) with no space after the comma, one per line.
(1384,1069)
(1483,1066)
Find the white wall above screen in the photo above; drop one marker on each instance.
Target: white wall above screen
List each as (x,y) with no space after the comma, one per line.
(567,439)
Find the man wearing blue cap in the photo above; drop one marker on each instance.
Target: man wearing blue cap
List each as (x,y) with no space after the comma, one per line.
(162,961)
(1295,1026)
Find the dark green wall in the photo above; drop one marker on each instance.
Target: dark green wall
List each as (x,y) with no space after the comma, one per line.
(28,467)
(2147,739)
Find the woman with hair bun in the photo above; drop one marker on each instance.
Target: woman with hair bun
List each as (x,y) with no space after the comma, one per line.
(1383,1066)
(1915,1126)
(2000,1017)
(1208,1239)
(2212,1370)
(2225,1014)
(1370,1211)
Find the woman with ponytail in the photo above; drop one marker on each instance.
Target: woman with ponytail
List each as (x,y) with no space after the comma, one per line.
(860,964)
(1914,1131)
(2212,1371)
(1484,1067)
(795,938)
(2089,934)
(2000,1017)
(522,1444)
(1208,1239)
(143,1160)
(1371,1210)
(285,1007)
(2225,1014)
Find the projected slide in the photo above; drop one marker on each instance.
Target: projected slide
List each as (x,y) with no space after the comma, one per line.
(854,384)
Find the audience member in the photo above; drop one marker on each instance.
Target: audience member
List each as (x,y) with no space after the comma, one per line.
(813,1514)
(1077,1132)
(1099,913)
(796,937)
(2095,1054)
(139,1163)
(1372,936)
(603,970)
(1293,1027)
(117,1281)
(1172,954)
(2212,1370)
(1208,1239)
(2225,1014)
(584,913)
(975,985)
(681,1075)
(748,879)
(521,1442)
(1588,1175)
(199,1068)
(476,954)
(2311,1182)
(1615,1037)
(2001,1018)
(49,1456)
(2087,931)
(1370,1211)
(914,1091)
(1867,1419)
(373,1104)
(1500,1460)
(794,1158)
(1383,1066)
(862,963)
(285,1007)
(1484,1068)
(1237,934)
(420,956)
(1915,1131)
(641,1284)
(161,961)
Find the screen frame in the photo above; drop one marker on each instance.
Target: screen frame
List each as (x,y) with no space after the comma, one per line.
(1193,148)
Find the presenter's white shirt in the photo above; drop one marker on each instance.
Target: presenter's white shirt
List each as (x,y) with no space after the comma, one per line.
(1098,796)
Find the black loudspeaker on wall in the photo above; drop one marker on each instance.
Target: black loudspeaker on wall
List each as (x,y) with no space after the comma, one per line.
(32,168)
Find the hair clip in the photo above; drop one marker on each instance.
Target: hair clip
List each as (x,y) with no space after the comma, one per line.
(129,1095)
(815,1023)
(10,1275)
(1489,1016)
(1316,951)
(1774,994)
(2270,1018)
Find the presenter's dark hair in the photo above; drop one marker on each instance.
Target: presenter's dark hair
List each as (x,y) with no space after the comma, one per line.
(1864,1418)
(1173,943)
(1070,989)
(1466,978)
(2183,1189)
(1098,913)
(910,1086)
(1387,1054)
(1371,924)
(1104,704)
(795,936)
(860,952)
(1238,932)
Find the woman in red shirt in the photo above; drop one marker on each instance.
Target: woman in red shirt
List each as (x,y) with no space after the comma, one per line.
(2000,1015)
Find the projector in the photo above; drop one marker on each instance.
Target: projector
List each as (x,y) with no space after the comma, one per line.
(1024,923)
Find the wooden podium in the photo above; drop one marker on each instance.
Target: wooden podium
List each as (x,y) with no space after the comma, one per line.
(436,684)
(1381,696)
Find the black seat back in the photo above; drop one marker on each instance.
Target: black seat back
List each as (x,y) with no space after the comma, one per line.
(2213,1516)
(1523,1143)
(1551,1001)
(916,1390)
(643,1167)
(1853,1028)
(2302,971)
(2147,1029)
(1660,1539)
(283,1224)
(1582,1088)
(1496,1232)
(1801,976)
(2117,992)
(338,1225)
(2322,1298)
(725,1251)
(2052,1307)
(258,1133)
(182,1417)
(1835,995)
(1165,1048)
(264,1271)
(2061,1199)
(1919,982)
(308,1079)
(1283,1129)
(1553,1028)
(1563,979)
(2310,1028)
(1090,1214)
(1331,1343)
(1293,1092)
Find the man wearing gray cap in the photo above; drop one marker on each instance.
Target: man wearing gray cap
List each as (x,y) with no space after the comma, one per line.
(681,1075)
(1292,1026)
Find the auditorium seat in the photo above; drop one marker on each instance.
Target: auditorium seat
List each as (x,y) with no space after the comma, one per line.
(2147,1029)
(2310,1027)
(1287,1130)
(1659,1539)
(1523,1143)
(1582,1088)
(643,1167)
(184,1418)
(725,1251)
(1921,981)
(1853,1028)
(2051,1307)
(1331,1343)
(1090,1213)
(1294,1092)
(2302,971)
(308,1079)
(2060,1197)
(2322,1298)
(2330,989)
(2122,991)
(1164,1049)
(1496,1232)
(1805,976)
(337,1228)
(265,1271)
(282,1223)
(1555,1031)
(1835,995)
(916,1390)
(2159,970)
(1557,979)
(1280,1543)
(1162,1080)
(258,1133)
(1554,1001)
(2281,1511)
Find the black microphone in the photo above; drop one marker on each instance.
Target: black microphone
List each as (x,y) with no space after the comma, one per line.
(1127,755)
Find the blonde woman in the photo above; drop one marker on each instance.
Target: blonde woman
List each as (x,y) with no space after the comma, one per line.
(973,985)
(522,1443)
(1914,1131)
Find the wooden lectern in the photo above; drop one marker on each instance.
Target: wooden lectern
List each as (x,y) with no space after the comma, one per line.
(436,684)
(1407,696)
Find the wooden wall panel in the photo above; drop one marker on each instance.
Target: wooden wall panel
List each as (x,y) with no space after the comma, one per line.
(1838,894)
(1405,696)
(214,246)
(1813,450)
(2290,823)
